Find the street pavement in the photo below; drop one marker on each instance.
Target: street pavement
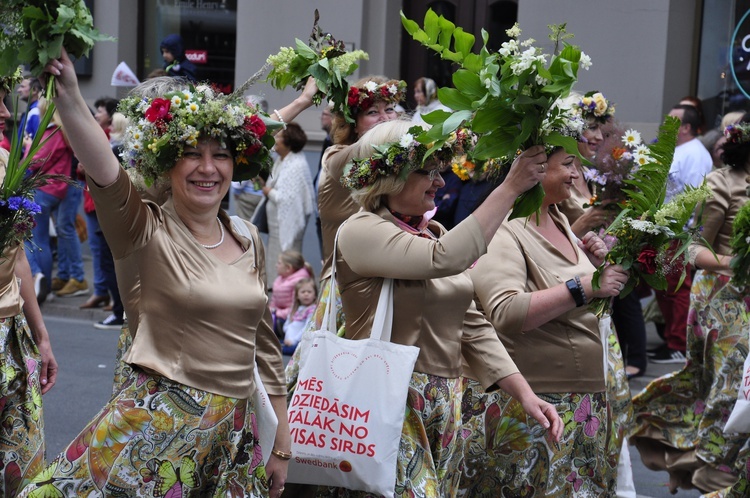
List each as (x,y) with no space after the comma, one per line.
(86,358)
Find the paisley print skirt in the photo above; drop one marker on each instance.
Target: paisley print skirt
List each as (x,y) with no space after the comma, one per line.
(508,454)
(159,438)
(431,449)
(679,418)
(22,428)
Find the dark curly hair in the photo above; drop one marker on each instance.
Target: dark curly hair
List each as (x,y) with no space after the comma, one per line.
(294,137)
(734,154)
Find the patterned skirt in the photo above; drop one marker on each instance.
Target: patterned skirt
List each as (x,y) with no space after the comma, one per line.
(508,454)
(679,418)
(123,371)
(618,389)
(22,429)
(431,448)
(292,368)
(160,438)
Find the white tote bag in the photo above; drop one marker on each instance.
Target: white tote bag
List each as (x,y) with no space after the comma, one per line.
(265,417)
(739,419)
(347,412)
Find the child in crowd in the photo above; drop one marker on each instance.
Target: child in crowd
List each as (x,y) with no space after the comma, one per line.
(305,297)
(291,267)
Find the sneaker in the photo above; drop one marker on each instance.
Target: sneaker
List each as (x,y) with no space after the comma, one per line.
(74,288)
(669,356)
(40,287)
(110,323)
(57,284)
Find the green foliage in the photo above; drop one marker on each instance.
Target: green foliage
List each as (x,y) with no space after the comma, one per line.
(740,244)
(504,97)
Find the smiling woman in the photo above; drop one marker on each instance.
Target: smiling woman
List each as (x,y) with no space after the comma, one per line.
(197,295)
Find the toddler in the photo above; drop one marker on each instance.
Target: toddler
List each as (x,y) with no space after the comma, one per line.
(305,297)
(291,267)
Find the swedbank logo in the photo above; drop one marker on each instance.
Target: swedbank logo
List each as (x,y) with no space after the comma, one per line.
(343,466)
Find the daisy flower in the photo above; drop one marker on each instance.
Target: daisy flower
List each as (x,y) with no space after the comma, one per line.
(632,138)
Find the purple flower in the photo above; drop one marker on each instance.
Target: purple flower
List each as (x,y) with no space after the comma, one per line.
(31,206)
(14,203)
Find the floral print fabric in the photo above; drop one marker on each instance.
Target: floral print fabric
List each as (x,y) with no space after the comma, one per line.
(22,424)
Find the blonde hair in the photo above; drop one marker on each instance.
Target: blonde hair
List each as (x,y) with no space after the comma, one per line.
(42,106)
(118,127)
(733,117)
(296,260)
(342,132)
(371,198)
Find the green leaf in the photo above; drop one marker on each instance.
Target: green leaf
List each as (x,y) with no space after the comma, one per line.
(495,145)
(454,99)
(469,83)
(436,117)
(455,120)
(464,41)
(446,31)
(303,50)
(491,117)
(528,203)
(431,26)
(410,26)
(451,56)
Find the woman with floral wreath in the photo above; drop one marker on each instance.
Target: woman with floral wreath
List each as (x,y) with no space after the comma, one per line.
(393,236)
(425,94)
(534,284)
(680,418)
(184,422)
(28,368)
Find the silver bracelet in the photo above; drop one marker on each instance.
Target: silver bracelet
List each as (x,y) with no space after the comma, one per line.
(281,120)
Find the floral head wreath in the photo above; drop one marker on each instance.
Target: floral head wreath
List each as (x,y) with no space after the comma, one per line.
(7,83)
(358,98)
(402,157)
(737,133)
(595,106)
(161,127)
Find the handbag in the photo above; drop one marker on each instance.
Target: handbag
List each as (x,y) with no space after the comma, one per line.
(739,419)
(345,427)
(265,417)
(260,216)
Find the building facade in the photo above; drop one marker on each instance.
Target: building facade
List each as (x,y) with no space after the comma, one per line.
(647,54)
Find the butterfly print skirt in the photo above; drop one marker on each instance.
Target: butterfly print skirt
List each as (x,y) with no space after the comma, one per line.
(22,424)
(507,453)
(684,412)
(159,438)
(618,390)
(429,455)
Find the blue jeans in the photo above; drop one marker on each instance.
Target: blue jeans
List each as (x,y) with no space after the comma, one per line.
(105,281)
(70,263)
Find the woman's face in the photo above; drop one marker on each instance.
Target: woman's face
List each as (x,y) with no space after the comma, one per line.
(418,195)
(593,136)
(379,112)
(202,176)
(280,147)
(561,172)
(419,95)
(102,117)
(4,113)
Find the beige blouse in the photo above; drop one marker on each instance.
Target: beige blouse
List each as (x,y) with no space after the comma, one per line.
(199,320)
(730,188)
(433,305)
(564,354)
(335,204)
(11,303)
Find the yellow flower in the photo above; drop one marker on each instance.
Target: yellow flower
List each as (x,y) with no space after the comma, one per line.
(601,104)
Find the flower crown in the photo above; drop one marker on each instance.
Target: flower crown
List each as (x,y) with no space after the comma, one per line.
(595,106)
(7,83)
(737,133)
(402,157)
(361,98)
(161,127)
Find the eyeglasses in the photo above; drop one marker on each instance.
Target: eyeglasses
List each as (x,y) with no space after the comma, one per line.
(432,173)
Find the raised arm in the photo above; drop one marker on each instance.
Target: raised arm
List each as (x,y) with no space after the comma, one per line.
(86,137)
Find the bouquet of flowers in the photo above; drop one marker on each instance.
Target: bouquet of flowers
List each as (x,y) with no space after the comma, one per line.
(618,159)
(33,33)
(740,244)
(510,98)
(323,58)
(649,234)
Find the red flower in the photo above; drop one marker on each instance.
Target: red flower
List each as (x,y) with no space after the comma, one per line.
(255,125)
(159,110)
(353,98)
(647,259)
(251,150)
(384,92)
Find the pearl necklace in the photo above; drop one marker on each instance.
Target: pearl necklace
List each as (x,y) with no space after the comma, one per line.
(214,246)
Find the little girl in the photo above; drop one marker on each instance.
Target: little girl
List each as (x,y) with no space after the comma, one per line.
(305,297)
(291,267)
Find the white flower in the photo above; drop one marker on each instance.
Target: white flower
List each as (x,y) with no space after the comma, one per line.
(514,32)
(540,80)
(371,86)
(176,100)
(641,159)
(392,89)
(187,94)
(643,149)
(528,43)
(585,61)
(406,140)
(192,107)
(508,48)
(631,138)
(747,239)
